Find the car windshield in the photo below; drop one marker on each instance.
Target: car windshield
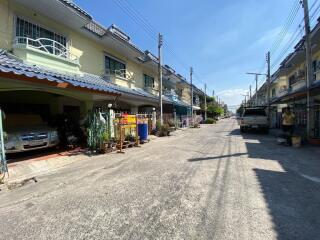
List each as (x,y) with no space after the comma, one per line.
(20,120)
(254,112)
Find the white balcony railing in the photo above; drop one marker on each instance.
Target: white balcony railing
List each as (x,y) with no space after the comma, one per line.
(282,91)
(119,73)
(46,45)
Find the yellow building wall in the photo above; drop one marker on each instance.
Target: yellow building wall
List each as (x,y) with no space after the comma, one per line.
(90,53)
(6,25)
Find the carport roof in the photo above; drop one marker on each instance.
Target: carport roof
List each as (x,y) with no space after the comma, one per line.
(10,64)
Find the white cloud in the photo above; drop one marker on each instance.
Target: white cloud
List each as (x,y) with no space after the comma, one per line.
(232,97)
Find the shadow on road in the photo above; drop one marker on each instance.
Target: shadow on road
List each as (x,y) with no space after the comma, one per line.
(293,201)
(216,157)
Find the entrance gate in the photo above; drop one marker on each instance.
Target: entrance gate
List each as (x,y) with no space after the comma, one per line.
(3,162)
(317,122)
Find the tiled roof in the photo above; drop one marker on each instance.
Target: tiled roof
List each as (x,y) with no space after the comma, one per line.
(175,101)
(10,64)
(99,30)
(76,7)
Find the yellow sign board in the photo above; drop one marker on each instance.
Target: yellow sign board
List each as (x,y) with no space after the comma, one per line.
(127,119)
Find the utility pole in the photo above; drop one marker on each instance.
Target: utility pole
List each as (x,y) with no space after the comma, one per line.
(256,75)
(205,101)
(268,86)
(308,60)
(245,99)
(256,78)
(250,95)
(160,42)
(191,73)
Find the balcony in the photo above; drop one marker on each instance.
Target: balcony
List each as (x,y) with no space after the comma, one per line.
(297,80)
(171,94)
(45,51)
(120,76)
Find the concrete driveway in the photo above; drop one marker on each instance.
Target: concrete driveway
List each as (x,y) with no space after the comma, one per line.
(207,183)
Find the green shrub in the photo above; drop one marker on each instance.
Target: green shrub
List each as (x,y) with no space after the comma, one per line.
(164,130)
(209,121)
(171,123)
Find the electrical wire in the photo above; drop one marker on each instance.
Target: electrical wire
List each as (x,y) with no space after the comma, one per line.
(151,31)
(296,34)
(282,34)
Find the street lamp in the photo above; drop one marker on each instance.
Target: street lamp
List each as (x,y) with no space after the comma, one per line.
(109,120)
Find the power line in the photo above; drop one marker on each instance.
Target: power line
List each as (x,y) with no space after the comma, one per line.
(292,15)
(294,38)
(135,19)
(296,34)
(280,37)
(151,31)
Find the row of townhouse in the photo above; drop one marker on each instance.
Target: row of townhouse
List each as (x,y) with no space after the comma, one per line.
(55,58)
(288,88)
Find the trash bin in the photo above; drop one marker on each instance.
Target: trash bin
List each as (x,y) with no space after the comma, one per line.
(143,131)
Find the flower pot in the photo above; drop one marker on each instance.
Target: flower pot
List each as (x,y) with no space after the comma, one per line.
(296,141)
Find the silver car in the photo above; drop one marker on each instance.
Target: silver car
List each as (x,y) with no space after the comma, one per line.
(25,132)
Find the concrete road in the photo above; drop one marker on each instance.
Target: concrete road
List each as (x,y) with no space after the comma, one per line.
(207,183)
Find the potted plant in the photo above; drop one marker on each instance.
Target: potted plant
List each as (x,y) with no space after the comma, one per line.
(105,142)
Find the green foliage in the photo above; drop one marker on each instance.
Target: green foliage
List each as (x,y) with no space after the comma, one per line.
(106,136)
(216,111)
(164,130)
(158,125)
(130,138)
(171,123)
(209,121)
(211,100)
(96,131)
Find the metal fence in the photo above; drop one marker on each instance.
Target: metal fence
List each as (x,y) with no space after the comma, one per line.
(3,162)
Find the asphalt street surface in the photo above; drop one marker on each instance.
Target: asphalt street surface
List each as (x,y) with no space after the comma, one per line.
(207,183)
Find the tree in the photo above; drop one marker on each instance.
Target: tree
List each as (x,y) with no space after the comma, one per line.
(215,111)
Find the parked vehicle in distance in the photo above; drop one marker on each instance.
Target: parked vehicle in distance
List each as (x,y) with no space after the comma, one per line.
(26,132)
(254,118)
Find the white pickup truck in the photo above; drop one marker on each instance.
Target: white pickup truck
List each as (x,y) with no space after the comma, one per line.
(254,118)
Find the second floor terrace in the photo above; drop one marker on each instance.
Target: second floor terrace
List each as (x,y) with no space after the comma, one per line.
(39,45)
(297,80)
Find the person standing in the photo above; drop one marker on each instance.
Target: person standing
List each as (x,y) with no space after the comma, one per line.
(288,119)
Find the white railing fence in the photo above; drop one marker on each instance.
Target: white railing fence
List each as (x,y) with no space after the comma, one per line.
(47,45)
(3,162)
(123,73)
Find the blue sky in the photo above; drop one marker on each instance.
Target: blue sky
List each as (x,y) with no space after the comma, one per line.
(222,40)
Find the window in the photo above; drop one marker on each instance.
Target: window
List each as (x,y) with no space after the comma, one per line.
(53,43)
(292,80)
(113,66)
(273,94)
(255,112)
(315,67)
(148,81)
